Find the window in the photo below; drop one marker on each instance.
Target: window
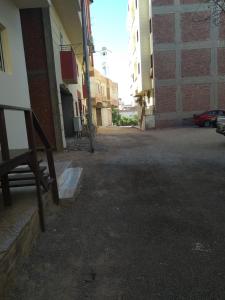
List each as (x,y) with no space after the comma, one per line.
(137,36)
(150,25)
(2,63)
(212,113)
(5,54)
(221,112)
(151,58)
(139,69)
(76,108)
(151,66)
(136,4)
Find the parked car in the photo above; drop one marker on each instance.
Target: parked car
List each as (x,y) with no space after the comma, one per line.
(221,125)
(208,118)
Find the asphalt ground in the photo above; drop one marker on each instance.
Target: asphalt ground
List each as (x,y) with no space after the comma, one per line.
(148,223)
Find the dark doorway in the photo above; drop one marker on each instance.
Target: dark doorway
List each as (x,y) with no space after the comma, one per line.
(99,116)
(68,112)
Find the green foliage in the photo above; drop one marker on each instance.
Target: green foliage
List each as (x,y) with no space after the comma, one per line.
(116,117)
(122,120)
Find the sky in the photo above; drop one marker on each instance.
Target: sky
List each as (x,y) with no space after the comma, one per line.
(109,19)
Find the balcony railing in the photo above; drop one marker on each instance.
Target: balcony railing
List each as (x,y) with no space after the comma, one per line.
(68,65)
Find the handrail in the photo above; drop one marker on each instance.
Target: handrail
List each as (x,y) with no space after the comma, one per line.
(30,157)
(49,155)
(40,132)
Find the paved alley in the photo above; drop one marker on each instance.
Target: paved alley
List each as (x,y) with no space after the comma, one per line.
(148,223)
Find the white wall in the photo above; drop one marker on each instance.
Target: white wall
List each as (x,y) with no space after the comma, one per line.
(106,117)
(145,52)
(13,85)
(57,29)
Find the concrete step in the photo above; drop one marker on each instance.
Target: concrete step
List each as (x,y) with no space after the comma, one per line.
(68,179)
(68,184)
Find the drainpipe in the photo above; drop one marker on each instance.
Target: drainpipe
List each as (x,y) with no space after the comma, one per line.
(87,73)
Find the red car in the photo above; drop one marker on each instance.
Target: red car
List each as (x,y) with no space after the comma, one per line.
(208,118)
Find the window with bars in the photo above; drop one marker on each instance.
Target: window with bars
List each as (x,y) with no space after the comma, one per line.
(151,66)
(2,65)
(150,25)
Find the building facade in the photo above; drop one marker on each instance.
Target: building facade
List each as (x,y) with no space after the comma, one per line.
(41,58)
(139,53)
(104,94)
(13,76)
(186,62)
(54,55)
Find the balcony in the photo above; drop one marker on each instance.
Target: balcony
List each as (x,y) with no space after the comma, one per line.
(69,12)
(31,3)
(85,91)
(68,65)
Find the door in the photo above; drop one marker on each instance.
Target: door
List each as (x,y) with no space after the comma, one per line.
(99,116)
(68,114)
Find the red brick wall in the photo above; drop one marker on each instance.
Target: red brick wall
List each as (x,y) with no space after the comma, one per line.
(36,62)
(196,97)
(166,99)
(195,62)
(167,123)
(165,28)
(221,95)
(195,26)
(222,27)
(221,61)
(195,59)
(165,64)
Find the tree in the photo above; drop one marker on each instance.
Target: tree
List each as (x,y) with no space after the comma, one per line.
(123,120)
(218,9)
(116,117)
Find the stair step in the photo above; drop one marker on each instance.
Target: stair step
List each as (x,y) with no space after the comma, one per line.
(39,162)
(21,176)
(22,183)
(69,185)
(26,176)
(22,169)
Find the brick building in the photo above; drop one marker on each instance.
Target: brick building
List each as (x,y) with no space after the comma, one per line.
(187,54)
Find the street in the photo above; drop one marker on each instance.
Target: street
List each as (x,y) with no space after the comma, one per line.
(148,223)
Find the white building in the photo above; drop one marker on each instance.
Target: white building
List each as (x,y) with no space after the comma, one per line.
(13,76)
(141,85)
(41,66)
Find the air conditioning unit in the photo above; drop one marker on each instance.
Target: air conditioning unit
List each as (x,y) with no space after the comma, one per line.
(77,124)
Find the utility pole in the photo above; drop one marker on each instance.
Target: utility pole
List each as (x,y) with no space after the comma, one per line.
(87,73)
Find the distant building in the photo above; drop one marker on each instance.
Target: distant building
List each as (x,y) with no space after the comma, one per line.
(128,111)
(177,60)
(104,94)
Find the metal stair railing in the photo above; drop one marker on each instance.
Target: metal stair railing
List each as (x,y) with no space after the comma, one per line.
(28,157)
